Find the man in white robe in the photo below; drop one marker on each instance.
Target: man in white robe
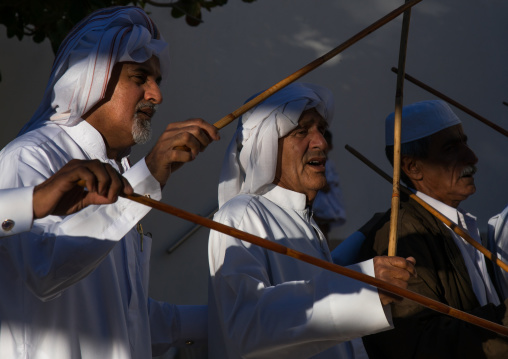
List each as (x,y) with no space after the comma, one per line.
(77,286)
(60,195)
(267,305)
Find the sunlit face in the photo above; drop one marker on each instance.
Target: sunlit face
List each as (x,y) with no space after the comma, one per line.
(123,117)
(302,156)
(447,173)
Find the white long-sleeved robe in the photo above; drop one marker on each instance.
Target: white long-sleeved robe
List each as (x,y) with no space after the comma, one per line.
(498,244)
(16,210)
(77,286)
(267,305)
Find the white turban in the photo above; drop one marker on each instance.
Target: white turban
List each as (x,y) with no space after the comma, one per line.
(86,57)
(251,158)
(421,119)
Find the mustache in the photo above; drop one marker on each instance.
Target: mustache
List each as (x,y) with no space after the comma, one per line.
(315,153)
(468,171)
(147,105)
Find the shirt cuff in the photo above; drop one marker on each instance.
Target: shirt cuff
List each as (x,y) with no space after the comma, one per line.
(379,315)
(16,210)
(142,181)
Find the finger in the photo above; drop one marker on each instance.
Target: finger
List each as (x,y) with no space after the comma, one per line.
(114,185)
(399,283)
(412,266)
(192,140)
(403,263)
(387,268)
(127,188)
(103,176)
(192,136)
(75,171)
(180,156)
(209,130)
(391,274)
(412,260)
(387,297)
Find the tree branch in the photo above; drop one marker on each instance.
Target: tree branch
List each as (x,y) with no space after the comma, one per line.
(160,4)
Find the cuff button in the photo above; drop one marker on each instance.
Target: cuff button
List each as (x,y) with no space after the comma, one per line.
(7,225)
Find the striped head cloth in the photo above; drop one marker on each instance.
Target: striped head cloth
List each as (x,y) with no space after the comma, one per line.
(85,59)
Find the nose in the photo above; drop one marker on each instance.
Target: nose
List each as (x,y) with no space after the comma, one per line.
(153,93)
(470,155)
(318,141)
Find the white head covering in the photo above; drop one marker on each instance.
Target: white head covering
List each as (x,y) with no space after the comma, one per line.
(86,57)
(251,158)
(421,119)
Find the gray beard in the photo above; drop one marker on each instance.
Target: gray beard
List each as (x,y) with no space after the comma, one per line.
(141,131)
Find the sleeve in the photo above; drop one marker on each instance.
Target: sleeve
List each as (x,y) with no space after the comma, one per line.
(16,210)
(497,242)
(294,319)
(177,326)
(59,251)
(424,333)
(347,251)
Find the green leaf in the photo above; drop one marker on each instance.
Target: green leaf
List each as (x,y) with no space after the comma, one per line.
(39,36)
(177,12)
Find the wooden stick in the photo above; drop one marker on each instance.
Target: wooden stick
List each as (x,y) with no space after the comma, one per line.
(276,247)
(189,234)
(454,103)
(457,229)
(397,129)
(313,65)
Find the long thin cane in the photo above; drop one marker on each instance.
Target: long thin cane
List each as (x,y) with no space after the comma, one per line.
(457,229)
(397,129)
(276,247)
(314,64)
(453,102)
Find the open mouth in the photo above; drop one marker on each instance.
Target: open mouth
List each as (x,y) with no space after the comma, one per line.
(317,162)
(468,171)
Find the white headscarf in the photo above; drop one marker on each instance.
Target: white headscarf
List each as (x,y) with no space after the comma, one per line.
(86,57)
(251,158)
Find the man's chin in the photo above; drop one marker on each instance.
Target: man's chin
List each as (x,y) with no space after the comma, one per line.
(141,131)
(468,192)
(142,139)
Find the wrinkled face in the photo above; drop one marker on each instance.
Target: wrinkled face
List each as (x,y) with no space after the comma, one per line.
(302,156)
(447,173)
(123,117)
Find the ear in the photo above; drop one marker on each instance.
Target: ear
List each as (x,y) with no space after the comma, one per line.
(412,168)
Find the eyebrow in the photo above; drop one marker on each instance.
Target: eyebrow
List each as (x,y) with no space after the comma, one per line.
(458,139)
(146,71)
(320,122)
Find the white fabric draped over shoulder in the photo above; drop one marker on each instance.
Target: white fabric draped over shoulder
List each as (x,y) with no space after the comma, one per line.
(76,287)
(251,158)
(85,60)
